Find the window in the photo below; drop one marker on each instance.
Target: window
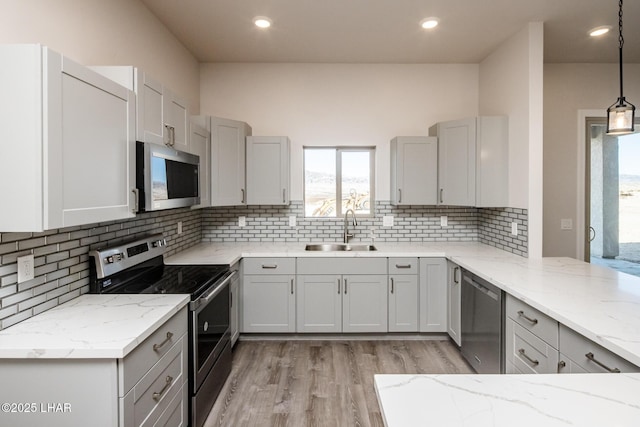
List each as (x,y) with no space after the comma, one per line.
(338,173)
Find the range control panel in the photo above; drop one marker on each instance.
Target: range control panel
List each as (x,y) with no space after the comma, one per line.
(112,260)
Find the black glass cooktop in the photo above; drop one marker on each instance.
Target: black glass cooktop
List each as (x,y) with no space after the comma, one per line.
(157,278)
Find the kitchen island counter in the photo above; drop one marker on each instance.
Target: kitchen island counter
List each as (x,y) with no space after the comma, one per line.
(509,400)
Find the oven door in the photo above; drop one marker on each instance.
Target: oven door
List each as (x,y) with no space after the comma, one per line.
(210,330)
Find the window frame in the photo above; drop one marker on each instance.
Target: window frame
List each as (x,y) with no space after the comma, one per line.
(338,189)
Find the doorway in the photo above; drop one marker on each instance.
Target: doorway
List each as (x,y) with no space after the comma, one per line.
(612,198)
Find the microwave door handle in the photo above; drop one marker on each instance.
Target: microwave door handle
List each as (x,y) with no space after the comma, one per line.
(136,199)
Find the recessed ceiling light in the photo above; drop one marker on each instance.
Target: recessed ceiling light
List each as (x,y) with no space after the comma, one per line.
(262,21)
(599,31)
(429,23)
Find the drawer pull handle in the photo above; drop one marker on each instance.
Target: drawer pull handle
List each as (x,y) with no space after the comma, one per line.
(158,394)
(272,266)
(345,286)
(533,321)
(455,271)
(339,283)
(403,265)
(591,357)
(157,347)
(534,362)
(392,285)
(291,286)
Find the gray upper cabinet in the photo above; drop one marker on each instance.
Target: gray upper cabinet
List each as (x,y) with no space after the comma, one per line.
(473,164)
(227,160)
(67,131)
(267,170)
(200,145)
(414,170)
(456,162)
(161,116)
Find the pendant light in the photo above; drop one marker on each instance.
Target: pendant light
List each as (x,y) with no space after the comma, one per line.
(620,116)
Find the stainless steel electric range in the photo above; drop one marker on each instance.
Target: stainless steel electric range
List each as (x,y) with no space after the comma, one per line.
(138,267)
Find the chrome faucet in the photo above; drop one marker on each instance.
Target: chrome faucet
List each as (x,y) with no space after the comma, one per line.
(348,235)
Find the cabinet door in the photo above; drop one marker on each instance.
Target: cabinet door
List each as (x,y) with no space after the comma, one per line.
(200,145)
(414,170)
(453,301)
(319,303)
(150,110)
(403,303)
(267,170)
(457,162)
(93,179)
(177,120)
(228,162)
(268,303)
(433,295)
(364,303)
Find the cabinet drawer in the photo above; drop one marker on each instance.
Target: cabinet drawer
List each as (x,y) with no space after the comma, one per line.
(533,320)
(587,354)
(403,265)
(155,391)
(342,265)
(264,266)
(528,353)
(147,354)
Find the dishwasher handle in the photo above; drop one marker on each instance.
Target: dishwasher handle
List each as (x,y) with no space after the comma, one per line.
(484,289)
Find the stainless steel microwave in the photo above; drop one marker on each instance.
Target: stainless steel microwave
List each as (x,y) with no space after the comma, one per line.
(166,178)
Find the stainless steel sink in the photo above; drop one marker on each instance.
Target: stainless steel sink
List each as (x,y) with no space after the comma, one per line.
(339,247)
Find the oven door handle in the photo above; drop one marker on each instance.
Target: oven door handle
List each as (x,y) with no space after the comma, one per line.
(204,300)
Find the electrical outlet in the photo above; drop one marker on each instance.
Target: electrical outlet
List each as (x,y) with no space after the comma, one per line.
(242,221)
(566,224)
(444,222)
(292,221)
(514,228)
(179,227)
(25,268)
(387,221)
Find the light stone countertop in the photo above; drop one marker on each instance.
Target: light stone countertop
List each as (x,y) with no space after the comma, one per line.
(90,327)
(599,303)
(510,400)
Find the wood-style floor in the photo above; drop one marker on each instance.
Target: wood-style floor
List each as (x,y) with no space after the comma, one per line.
(321,383)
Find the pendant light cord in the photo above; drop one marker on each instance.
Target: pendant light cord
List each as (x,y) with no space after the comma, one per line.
(621,41)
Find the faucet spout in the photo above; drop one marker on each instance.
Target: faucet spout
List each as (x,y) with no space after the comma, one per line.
(346,234)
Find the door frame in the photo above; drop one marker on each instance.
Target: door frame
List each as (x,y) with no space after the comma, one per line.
(583,191)
(585,119)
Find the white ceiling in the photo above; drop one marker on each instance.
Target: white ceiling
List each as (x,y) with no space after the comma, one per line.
(388,31)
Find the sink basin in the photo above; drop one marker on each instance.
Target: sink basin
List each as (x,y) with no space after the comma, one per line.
(339,247)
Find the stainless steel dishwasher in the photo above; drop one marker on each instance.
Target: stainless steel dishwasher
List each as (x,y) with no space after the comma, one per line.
(482,330)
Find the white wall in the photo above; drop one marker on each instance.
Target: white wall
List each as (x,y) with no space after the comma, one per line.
(511,81)
(104,32)
(339,104)
(568,89)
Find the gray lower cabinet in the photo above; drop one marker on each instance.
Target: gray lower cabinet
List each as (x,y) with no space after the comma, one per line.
(433,295)
(454,300)
(268,295)
(319,303)
(146,388)
(580,354)
(334,297)
(531,339)
(403,295)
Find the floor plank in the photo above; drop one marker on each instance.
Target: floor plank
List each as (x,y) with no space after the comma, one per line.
(321,382)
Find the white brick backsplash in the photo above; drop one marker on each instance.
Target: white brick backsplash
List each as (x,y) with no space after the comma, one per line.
(62,268)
